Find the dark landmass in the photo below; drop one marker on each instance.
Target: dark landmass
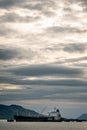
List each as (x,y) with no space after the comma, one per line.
(8,112)
(83,117)
(73,120)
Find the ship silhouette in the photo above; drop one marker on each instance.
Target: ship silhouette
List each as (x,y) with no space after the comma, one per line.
(53,116)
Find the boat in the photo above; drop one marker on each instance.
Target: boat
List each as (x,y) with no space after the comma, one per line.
(10,120)
(53,116)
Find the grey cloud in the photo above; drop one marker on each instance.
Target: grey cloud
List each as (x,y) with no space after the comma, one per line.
(75,48)
(8,4)
(69,47)
(67,82)
(78,59)
(49,13)
(46,70)
(36,5)
(74,83)
(10,80)
(82,65)
(69,11)
(13,17)
(7,54)
(6,31)
(44,7)
(41,71)
(72,97)
(15,53)
(58,29)
(70,94)
(82,3)
(78,62)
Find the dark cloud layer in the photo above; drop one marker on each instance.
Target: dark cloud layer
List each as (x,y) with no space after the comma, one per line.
(7,4)
(46,70)
(65,75)
(59,94)
(61,82)
(7,54)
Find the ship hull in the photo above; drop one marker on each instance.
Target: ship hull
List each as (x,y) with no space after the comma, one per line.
(35,119)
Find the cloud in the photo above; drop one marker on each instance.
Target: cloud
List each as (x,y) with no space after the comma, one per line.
(6,31)
(59,75)
(46,70)
(40,5)
(81,3)
(59,82)
(84,5)
(68,47)
(8,4)
(59,29)
(82,65)
(13,17)
(7,53)
(76,94)
(19,80)
(75,48)
(77,59)
(44,7)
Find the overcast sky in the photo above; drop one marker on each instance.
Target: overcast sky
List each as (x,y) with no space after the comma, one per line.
(43,54)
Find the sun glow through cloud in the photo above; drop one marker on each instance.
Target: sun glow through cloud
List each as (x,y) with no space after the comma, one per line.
(9,87)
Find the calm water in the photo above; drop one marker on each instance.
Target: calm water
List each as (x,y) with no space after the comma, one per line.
(42,126)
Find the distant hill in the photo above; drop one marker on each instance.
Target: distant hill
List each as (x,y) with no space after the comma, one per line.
(8,112)
(83,117)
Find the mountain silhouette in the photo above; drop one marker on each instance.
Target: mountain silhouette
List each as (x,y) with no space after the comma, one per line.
(83,117)
(8,112)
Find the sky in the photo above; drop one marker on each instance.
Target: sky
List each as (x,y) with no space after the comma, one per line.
(43,54)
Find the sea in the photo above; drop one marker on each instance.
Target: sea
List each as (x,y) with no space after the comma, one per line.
(43,125)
